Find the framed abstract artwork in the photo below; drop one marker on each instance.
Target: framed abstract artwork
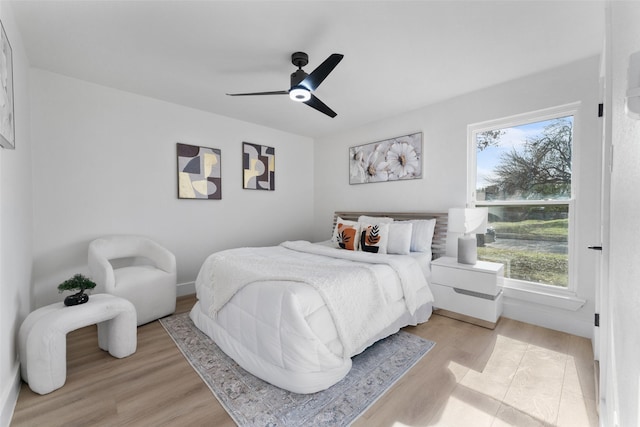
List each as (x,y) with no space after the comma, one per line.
(199,172)
(258,167)
(7,122)
(388,160)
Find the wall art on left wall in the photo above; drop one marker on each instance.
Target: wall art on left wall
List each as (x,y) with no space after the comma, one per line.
(7,122)
(258,167)
(199,172)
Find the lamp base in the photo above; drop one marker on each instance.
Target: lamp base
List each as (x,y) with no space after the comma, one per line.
(467,249)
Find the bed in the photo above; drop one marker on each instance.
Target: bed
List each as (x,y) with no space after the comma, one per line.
(294,314)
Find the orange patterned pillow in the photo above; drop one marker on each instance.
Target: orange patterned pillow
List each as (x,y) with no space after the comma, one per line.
(374,237)
(347,236)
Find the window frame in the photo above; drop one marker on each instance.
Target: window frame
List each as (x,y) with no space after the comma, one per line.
(538,292)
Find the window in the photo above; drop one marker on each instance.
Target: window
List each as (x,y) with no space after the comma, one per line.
(523,174)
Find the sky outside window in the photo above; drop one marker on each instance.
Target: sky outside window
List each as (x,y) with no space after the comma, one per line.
(512,138)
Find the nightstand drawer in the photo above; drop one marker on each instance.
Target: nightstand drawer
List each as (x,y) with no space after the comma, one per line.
(488,310)
(483,277)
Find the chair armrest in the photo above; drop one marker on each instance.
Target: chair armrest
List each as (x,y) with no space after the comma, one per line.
(101,268)
(162,257)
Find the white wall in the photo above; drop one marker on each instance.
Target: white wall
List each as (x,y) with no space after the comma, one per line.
(104,162)
(622,389)
(15,225)
(444,127)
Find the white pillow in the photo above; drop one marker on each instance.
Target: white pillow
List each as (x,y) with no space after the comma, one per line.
(399,238)
(422,234)
(374,237)
(351,229)
(374,219)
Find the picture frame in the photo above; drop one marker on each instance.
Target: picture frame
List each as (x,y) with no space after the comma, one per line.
(7,119)
(393,159)
(258,167)
(199,172)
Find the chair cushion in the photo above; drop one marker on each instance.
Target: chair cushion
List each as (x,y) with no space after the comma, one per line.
(152,291)
(137,275)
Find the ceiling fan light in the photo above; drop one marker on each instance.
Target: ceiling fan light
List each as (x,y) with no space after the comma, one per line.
(300,94)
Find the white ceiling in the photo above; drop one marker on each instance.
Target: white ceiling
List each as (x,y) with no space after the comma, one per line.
(398,55)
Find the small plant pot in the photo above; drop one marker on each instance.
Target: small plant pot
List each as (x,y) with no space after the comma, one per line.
(75,299)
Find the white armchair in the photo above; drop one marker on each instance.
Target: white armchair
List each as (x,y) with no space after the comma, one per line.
(137,269)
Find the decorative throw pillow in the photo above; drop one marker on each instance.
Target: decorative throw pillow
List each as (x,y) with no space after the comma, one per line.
(399,238)
(346,234)
(374,237)
(339,220)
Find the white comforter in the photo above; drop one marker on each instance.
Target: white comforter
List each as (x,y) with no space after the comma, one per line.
(315,307)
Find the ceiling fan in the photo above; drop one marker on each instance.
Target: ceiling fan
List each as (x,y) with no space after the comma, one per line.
(303,84)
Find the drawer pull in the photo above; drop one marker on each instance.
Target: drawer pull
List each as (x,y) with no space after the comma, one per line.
(477,294)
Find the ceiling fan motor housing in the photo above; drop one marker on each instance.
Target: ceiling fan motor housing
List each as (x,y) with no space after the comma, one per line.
(299,59)
(297,77)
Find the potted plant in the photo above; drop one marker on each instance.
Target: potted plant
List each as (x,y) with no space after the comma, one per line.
(77,283)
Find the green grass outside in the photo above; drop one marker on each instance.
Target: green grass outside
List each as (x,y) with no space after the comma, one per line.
(555,229)
(539,267)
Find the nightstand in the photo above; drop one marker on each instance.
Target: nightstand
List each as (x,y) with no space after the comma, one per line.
(471,293)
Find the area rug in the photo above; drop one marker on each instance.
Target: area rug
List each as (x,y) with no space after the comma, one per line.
(253,402)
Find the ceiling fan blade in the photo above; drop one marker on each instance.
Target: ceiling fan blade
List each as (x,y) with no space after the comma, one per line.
(314,102)
(277,92)
(317,76)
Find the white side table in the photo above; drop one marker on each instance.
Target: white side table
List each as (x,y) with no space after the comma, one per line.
(43,337)
(472,293)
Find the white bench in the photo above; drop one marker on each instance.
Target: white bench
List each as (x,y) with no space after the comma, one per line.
(43,337)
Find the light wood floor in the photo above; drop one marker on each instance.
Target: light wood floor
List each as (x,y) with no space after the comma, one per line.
(515,375)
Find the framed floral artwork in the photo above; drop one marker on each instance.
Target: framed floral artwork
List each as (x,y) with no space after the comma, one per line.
(392,159)
(199,172)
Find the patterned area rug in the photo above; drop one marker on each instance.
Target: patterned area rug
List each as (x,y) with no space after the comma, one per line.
(253,402)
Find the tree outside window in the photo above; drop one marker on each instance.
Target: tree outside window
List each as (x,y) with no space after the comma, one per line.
(523,175)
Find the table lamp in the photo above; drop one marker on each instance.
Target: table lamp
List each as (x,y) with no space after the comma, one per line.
(469,221)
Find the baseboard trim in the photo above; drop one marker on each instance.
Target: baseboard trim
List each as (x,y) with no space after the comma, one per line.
(548,317)
(10,397)
(183,289)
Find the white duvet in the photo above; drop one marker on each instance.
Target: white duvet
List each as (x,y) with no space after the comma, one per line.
(295,314)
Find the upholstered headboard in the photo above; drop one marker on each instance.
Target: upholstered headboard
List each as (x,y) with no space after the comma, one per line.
(439,243)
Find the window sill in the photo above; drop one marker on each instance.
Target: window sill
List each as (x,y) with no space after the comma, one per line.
(565,301)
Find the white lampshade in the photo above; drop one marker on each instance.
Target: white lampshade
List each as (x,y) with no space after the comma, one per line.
(469,221)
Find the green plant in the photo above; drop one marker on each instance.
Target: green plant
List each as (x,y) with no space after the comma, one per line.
(77,283)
